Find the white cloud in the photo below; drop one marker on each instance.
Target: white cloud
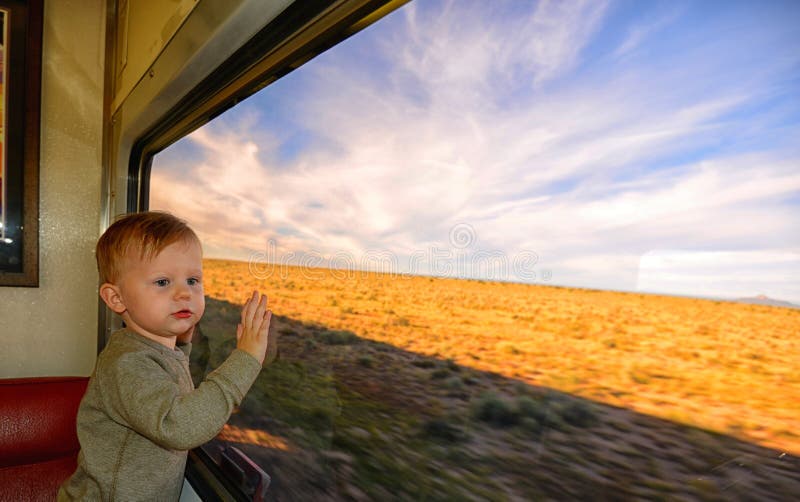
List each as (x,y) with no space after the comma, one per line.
(638,33)
(447,136)
(722,274)
(456,51)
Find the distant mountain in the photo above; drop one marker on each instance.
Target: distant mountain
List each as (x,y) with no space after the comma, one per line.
(765,300)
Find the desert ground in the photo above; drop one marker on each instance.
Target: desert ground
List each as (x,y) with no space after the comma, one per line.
(386,387)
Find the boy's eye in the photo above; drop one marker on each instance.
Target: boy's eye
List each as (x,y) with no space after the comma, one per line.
(162,282)
(192,281)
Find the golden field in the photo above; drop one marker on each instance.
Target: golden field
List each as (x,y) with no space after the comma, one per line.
(426,388)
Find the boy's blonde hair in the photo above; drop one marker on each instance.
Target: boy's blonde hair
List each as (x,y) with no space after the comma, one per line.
(148,233)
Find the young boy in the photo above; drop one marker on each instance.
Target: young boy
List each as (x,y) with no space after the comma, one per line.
(141,412)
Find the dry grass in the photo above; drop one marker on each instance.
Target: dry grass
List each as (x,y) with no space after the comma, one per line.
(723,366)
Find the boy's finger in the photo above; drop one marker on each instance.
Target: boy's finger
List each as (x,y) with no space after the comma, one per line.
(258,310)
(244,308)
(259,321)
(250,309)
(262,306)
(265,323)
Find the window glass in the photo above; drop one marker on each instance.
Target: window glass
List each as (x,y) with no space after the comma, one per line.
(515,250)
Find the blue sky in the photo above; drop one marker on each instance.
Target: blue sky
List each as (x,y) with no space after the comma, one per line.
(634,145)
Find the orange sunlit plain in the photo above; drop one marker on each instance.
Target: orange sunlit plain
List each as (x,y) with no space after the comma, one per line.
(684,385)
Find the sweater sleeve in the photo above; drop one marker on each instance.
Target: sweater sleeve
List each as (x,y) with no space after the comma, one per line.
(150,402)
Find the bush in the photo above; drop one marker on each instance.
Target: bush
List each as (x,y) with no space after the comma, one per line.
(440,373)
(319,418)
(452,366)
(440,429)
(365,361)
(454,383)
(469,380)
(530,424)
(491,408)
(423,363)
(578,414)
(552,417)
(531,408)
(331,337)
(402,321)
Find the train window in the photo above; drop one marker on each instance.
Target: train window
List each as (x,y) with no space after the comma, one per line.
(516,250)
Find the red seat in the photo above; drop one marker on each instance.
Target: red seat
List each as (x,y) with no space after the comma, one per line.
(38,440)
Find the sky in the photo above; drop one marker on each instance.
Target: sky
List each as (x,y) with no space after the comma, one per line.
(632,145)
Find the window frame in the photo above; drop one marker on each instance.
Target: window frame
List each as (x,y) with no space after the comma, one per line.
(300,33)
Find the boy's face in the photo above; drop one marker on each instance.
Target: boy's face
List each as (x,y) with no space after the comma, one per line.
(162,299)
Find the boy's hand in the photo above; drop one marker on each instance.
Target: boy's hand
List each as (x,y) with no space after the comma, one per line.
(252,334)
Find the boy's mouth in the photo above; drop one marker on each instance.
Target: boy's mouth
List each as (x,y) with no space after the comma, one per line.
(183,314)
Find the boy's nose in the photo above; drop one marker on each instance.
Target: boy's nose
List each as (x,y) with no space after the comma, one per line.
(183,291)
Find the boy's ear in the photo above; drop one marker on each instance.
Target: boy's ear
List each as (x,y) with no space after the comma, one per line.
(111,295)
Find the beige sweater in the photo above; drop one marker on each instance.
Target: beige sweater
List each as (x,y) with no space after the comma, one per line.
(140,415)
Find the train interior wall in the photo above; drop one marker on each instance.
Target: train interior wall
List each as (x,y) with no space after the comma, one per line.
(52,329)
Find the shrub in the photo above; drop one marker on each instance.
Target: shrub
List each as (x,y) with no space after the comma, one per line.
(530,424)
(552,417)
(440,429)
(493,409)
(319,417)
(454,383)
(452,366)
(331,337)
(365,361)
(440,373)
(508,348)
(423,363)
(402,321)
(579,414)
(469,380)
(531,408)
